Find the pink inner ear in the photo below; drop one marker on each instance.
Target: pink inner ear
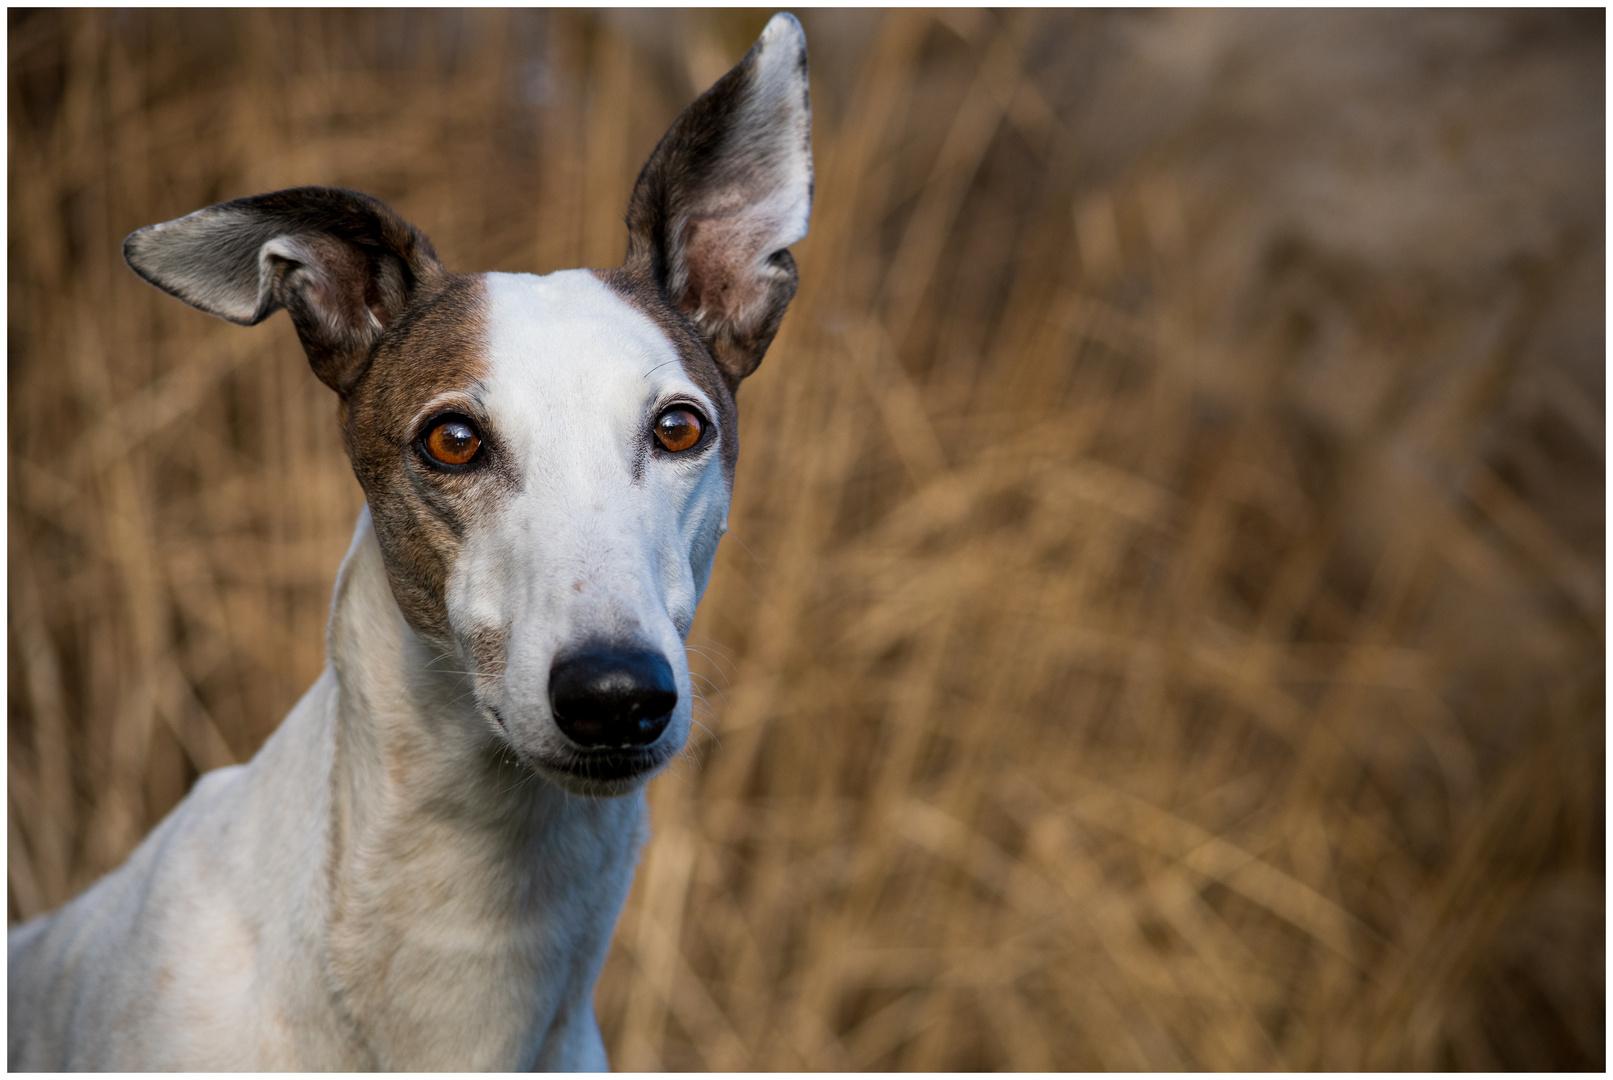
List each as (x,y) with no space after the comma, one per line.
(335,280)
(719,256)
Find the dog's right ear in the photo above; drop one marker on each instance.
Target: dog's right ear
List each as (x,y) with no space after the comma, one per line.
(726,191)
(343,264)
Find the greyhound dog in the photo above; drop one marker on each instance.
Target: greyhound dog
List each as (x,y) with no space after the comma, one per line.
(422,867)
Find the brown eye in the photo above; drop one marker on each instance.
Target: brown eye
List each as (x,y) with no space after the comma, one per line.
(678,429)
(453,442)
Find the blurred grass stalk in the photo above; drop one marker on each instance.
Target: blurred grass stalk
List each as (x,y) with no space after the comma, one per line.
(1148,638)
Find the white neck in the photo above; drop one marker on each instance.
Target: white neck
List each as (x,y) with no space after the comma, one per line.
(470,902)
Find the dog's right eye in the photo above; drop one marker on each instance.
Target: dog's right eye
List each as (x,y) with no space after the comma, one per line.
(452,441)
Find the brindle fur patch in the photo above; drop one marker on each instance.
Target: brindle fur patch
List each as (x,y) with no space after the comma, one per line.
(436,347)
(489,649)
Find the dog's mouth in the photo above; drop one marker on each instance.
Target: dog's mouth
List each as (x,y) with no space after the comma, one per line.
(596,772)
(610,766)
(602,772)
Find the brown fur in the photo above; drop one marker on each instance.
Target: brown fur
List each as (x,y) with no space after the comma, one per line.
(408,874)
(372,265)
(420,513)
(383,324)
(344,267)
(687,232)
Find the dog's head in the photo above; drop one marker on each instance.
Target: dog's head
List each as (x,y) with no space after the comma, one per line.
(547,460)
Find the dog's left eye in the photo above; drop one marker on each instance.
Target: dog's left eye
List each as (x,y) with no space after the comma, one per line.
(678,428)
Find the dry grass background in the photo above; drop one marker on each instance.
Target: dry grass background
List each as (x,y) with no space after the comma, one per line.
(1163,623)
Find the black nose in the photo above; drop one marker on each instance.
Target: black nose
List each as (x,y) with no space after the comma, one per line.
(611,696)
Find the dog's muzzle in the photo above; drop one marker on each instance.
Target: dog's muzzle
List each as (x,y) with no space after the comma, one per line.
(607,696)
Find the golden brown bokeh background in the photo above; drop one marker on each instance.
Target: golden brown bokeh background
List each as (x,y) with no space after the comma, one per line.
(1163,621)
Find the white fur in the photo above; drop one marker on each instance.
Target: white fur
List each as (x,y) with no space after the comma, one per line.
(181,257)
(405,876)
(603,540)
(780,118)
(761,202)
(377,889)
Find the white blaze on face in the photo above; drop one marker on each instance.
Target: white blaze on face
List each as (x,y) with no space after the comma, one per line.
(602,536)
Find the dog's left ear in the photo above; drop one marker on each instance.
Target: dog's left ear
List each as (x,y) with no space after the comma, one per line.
(726,191)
